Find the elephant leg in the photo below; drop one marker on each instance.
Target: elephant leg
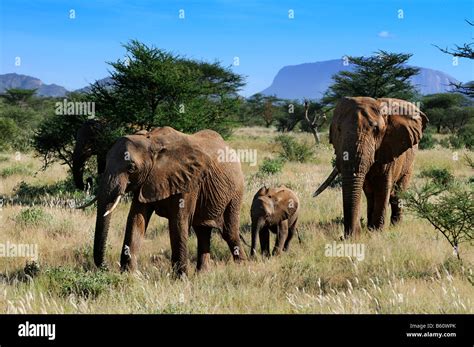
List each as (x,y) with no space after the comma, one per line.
(264,236)
(381,199)
(291,233)
(281,236)
(396,209)
(179,231)
(231,230)
(137,222)
(369,194)
(370,210)
(204,247)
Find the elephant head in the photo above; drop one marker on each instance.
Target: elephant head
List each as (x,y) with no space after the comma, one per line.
(86,146)
(365,131)
(152,166)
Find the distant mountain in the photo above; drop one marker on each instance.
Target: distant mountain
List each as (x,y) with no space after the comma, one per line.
(13,80)
(311,80)
(104,82)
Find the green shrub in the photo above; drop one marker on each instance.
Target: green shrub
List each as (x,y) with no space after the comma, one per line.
(444,143)
(439,176)
(271,166)
(427,141)
(456,142)
(16,169)
(466,135)
(293,150)
(60,189)
(448,208)
(88,284)
(33,216)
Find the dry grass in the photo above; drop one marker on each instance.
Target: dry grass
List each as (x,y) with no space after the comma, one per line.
(407,268)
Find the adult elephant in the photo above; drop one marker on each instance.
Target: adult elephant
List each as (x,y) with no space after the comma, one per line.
(184,178)
(87,145)
(375,141)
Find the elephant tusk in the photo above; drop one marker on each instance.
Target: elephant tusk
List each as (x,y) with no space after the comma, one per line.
(87,204)
(113,206)
(326,183)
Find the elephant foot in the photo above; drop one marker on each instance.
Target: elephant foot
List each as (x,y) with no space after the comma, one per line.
(395,220)
(276,252)
(180,270)
(204,263)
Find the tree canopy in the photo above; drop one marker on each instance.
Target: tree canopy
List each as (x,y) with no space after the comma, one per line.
(149,88)
(381,75)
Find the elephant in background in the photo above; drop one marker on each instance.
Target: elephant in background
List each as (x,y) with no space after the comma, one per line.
(276,210)
(87,145)
(180,177)
(375,141)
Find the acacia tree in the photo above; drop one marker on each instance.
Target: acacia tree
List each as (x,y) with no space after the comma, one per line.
(316,121)
(462,51)
(19,97)
(381,75)
(149,88)
(263,107)
(448,110)
(448,208)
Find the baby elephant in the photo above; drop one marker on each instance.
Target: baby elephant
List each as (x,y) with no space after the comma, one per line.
(274,209)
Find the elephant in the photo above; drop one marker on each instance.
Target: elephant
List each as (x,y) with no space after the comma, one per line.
(375,141)
(86,146)
(184,178)
(276,210)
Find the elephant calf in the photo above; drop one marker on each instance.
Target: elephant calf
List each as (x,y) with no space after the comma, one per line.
(276,210)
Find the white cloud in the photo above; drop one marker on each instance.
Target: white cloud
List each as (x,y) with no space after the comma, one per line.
(384,34)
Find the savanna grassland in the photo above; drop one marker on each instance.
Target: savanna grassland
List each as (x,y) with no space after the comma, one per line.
(408,268)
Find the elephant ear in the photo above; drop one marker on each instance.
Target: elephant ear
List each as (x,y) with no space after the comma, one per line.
(281,205)
(178,165)
(404,128)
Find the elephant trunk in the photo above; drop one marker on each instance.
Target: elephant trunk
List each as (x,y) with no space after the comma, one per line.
(351,194)
(107,200)
(353,172)
(257,225)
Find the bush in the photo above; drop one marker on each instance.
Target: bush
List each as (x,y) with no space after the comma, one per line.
(9,131)
(466,135)
(25,191)
(449,209)
(271,166)
(16,169)
(292,150)
(33,216)
(456,142)
(88,284)
(427,141)
(445,143)
(439,176)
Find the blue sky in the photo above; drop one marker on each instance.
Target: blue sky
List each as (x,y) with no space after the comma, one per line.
(74,52)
